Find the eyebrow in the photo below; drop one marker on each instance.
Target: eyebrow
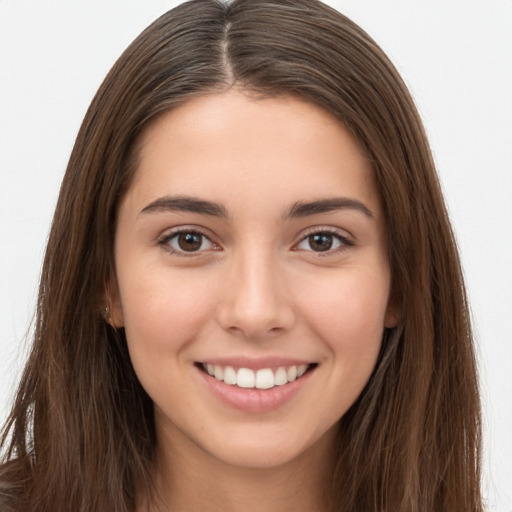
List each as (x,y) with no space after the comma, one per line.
(186,204)
(299,209)
(304,209)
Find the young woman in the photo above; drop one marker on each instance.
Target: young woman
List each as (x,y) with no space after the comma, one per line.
(251,297)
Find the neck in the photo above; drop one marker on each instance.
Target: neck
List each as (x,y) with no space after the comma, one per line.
(194,480)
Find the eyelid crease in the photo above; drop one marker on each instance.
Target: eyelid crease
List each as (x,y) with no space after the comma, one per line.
(187,228)
(341,233)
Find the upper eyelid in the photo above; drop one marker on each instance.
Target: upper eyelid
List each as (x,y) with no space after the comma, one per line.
(342,233)
(170,232)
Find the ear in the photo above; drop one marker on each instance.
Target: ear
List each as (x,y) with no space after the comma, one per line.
(112,308)
(391,319)
(393,313)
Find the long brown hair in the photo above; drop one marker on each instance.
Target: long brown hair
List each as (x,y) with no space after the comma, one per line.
(81,433)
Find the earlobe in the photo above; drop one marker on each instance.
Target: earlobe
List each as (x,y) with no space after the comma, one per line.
(393,314)
(113,314)
(391,319)
(112,310)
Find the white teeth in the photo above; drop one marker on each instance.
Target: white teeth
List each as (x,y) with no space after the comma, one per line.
(280,377)
(265,378)
(301,370)
(245,378)
(291,373)
(218,372)
(229,375)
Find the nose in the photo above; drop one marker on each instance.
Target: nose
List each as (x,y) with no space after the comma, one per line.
(254,301)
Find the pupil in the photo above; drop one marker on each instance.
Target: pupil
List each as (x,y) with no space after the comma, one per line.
(320,242)
(189,241)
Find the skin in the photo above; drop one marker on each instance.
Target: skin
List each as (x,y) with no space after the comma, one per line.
(255,287)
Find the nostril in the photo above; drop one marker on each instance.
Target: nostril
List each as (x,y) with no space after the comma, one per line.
(254,305)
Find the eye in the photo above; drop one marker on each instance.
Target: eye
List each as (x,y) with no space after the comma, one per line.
(323,241)
(187,242)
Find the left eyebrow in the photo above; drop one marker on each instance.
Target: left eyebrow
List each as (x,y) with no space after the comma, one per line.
(185,204)
(304,209)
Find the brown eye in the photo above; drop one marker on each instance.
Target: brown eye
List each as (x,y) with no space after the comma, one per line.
(320,242)
(190,241)
(324,241)
(187,242)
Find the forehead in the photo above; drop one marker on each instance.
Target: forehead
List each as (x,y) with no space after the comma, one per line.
(231,145)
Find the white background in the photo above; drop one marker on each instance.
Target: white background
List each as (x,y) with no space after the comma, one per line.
(455,55)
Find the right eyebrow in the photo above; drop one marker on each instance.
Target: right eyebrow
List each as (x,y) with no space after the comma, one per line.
(185,204)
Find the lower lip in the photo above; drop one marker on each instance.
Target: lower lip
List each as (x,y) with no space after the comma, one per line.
(255,400)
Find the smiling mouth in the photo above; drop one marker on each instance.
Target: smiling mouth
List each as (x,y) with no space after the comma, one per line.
(264,378)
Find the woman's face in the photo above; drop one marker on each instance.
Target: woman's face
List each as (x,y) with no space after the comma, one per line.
(251,246)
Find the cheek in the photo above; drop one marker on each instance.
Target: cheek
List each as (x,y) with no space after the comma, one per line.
(163,312)
(348,315)
(345,314)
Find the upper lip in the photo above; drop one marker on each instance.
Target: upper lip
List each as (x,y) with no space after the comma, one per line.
(255,363)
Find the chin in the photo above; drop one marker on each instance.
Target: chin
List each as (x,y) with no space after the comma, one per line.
(265,449)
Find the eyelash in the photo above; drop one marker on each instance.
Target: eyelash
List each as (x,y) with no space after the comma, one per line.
(164,241)
(343,241)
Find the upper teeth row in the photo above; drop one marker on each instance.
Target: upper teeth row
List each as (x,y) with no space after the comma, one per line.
(265,378)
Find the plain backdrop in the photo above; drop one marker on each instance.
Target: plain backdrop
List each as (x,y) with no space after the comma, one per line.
(456,57)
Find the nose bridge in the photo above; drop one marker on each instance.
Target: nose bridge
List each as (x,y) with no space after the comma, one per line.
(254,301)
